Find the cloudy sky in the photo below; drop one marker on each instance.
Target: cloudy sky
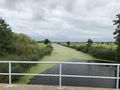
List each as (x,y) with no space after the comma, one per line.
(62,20)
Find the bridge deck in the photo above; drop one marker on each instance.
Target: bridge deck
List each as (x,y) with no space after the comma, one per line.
(45,87)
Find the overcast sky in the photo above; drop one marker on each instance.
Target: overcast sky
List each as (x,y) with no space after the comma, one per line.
(62,20)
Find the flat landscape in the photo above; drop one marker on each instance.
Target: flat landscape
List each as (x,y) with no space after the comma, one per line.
(70,43)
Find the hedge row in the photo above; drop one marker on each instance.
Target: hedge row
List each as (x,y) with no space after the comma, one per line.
(98,52)
(20,68)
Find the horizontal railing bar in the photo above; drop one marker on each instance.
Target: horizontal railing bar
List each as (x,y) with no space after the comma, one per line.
(79,63)
(5,61)
(56,75)
(24,74)
(4,73)
(99,77)
(51,62)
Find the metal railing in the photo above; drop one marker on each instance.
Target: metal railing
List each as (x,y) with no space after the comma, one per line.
(60,75)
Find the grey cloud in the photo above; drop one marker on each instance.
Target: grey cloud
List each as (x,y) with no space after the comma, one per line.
(75,20)
(11,4)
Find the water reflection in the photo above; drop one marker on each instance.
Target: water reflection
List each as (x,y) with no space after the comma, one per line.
(90,70)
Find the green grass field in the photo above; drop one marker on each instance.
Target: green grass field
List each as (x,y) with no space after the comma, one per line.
(102,50)
(99,44)
(41,45)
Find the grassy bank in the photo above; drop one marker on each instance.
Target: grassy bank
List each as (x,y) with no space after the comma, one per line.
(95,44)
(99,50)
(20,68)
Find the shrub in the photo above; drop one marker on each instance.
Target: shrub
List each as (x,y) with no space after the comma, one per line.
(98,52)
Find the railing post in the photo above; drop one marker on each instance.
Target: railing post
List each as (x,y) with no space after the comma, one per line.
(117,81)
(60,77)
(9,73)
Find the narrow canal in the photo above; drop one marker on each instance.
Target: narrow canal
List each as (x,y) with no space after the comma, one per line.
(61,53)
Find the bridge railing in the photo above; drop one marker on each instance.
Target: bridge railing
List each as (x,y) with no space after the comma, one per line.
(60,75)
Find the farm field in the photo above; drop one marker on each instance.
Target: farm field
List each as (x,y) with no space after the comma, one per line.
(95,44)
(102,50)
(41,45)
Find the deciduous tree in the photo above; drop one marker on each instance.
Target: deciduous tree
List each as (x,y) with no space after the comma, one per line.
(68,43)
(5,36)
(117,37)
(89,42)
(46,41)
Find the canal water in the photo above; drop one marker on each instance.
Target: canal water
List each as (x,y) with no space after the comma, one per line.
(90,70)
